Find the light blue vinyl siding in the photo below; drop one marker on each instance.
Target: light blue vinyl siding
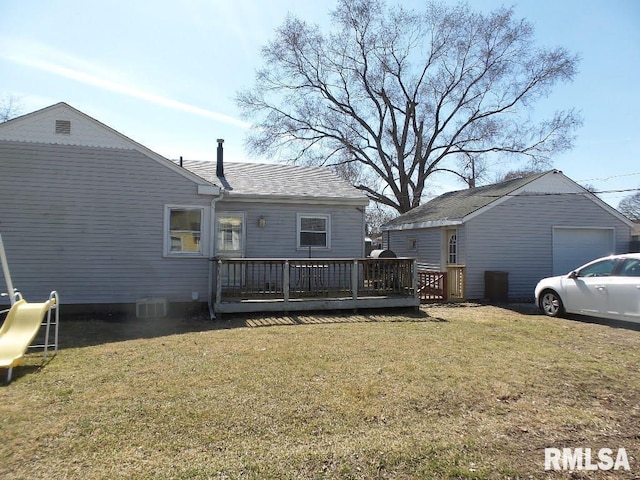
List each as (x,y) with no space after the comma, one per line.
(516,236)
(278,238)
(427,250)
(88,222)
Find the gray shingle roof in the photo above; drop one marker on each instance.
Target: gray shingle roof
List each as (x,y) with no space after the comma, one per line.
(275,180)
(457,205)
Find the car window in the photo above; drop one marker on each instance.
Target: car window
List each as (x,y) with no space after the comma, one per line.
(599,269)
(630,268)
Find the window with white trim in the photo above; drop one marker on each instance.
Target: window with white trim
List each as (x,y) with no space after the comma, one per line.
(452,257)
(230,233)
(184,231)
(314,231)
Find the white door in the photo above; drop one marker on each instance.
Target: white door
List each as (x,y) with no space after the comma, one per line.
(455,273)
(574,246)
(230,240)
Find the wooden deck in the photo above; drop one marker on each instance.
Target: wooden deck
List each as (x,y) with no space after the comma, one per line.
(286,285)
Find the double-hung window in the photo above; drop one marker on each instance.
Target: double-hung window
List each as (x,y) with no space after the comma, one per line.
(184,231)
(314,231)
(230,234)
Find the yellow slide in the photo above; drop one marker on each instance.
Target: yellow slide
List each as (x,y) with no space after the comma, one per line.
(18,331)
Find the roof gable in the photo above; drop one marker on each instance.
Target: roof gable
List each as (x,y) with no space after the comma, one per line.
(454,206)
(62,124)
(48,126)
(259,181)
(460,206)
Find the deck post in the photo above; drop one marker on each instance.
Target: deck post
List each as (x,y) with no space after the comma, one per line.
(445,287)
(415,280)
(285,283)
(219,283)
(354,279)
(354,284)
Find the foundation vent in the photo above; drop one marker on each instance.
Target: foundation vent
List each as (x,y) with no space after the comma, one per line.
(151,307)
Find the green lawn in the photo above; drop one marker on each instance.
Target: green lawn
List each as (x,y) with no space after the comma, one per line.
(448,392)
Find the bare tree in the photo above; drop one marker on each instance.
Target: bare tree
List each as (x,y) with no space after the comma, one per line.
(630,206)
(9,108)
(400,95)
(471,168)
(519,173)
(589,187)
(377,215)
(525,172)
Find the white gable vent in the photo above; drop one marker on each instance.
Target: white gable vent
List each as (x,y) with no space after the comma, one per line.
(63,127)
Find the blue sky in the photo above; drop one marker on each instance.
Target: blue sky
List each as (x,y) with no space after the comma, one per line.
(165,73)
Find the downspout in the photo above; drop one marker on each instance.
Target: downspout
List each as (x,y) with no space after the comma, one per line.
(212,252)
(212,259)
(363,251)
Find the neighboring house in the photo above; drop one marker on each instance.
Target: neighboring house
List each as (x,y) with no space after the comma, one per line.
(103,220)
(635,242)
(533,227)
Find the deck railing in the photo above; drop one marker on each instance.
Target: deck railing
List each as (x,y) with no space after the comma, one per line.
(449,286)
(432,286)
(284,284)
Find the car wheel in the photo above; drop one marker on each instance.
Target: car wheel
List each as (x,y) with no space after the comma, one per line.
(550,304)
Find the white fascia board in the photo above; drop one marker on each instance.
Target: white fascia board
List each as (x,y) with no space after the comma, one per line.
(176,168)
(356,202)
(598,201)
(524,188)
(429,224)
(568,186)
(208,190)
(148,152)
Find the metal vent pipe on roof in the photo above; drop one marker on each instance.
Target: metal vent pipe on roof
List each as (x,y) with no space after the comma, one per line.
(220,164)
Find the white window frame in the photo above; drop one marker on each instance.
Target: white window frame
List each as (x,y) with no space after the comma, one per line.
(326,217)
(204,232)
(452,248)
(243,233)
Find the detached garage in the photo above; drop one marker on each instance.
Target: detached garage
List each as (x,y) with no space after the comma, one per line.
(525,228)
(575,246)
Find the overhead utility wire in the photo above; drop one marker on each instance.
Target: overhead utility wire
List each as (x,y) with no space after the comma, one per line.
(550,194)
(603,179)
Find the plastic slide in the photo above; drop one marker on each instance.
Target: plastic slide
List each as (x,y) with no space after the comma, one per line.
(18,331)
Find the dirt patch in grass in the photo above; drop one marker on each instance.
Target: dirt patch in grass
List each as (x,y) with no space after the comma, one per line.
(469,391)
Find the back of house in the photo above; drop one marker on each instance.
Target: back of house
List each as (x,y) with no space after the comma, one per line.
(108,223)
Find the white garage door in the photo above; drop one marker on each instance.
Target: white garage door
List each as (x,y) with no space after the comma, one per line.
(573,247)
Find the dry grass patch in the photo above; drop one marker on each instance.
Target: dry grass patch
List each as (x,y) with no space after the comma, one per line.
(451,392)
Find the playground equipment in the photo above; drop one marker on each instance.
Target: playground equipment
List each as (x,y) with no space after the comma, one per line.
(23,323)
